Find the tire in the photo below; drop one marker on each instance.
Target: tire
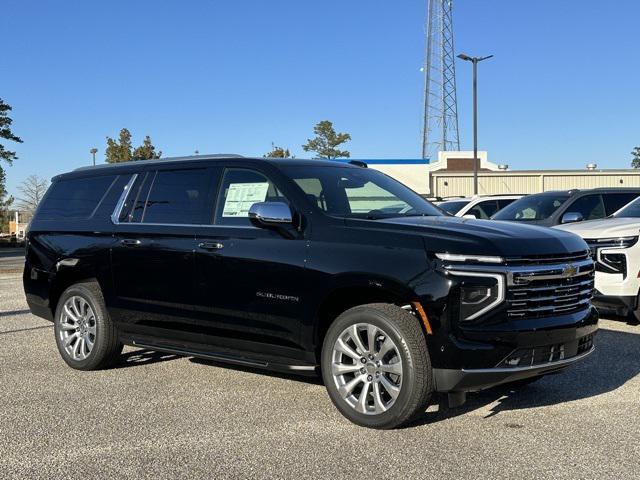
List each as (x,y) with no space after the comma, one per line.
(96,344)
(398,398)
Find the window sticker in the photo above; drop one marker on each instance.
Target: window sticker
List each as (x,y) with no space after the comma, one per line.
(240,197)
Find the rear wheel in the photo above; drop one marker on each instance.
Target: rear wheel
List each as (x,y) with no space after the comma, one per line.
(376,367)
(85,336)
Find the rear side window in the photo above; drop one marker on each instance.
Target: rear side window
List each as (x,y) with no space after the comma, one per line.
(177,197)
(615,201)
(76,198)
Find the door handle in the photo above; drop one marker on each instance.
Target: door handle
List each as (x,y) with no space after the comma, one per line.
(211,245)
(130,242)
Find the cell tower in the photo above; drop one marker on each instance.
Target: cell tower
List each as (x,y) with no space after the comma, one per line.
(440,129)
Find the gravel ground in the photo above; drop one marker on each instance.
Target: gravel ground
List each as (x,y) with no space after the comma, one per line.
(164,416)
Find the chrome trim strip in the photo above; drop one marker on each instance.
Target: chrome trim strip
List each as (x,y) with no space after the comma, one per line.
(544,366)
(501,290)
(115,216)
(536,272)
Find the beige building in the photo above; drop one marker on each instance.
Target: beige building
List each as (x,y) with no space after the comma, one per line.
(452,175)
(18,224)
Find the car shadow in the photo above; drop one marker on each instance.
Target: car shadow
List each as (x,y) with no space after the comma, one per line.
(137,358)
(614,362)
(312,379)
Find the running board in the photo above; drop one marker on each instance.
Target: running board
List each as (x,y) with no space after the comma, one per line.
(303,369)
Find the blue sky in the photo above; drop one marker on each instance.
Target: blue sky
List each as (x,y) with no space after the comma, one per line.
(233,76)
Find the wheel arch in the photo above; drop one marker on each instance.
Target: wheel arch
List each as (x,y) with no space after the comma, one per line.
(349,293)
(66,277)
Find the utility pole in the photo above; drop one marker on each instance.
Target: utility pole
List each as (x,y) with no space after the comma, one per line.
(93,152)
(475,61)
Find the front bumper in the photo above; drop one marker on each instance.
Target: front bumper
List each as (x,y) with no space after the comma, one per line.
(469,380)
(620,304)
(488,356)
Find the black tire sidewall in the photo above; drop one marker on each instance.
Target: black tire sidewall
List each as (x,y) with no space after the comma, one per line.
(99,350)
(375,317)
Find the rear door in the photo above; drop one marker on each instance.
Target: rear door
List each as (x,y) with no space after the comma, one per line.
(250,281)
(153,257)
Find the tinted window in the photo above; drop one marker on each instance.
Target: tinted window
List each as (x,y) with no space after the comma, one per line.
(484,210)
(240,189)
(630,211)
(533,207)
(178,197)
(589,206)
(358,192)
(615,201)
(454,206)
(504,202)
(133,207)
(75,198)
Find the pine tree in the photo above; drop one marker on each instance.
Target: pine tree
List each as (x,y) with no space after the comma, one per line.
(326,141)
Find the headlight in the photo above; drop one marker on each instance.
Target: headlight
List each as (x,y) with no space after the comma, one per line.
(613,242)
(479,293)
(615,262)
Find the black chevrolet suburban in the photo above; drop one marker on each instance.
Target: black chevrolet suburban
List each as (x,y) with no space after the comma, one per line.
(305,266)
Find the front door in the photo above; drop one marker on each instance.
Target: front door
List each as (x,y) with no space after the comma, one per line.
(250,280)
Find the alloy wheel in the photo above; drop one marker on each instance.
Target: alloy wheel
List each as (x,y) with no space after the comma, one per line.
(77,328)
(367,368)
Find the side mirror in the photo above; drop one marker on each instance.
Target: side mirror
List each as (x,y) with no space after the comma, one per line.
(469,215)
(571,217)
(270,214)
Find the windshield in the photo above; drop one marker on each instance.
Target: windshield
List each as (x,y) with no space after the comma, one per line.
(630,211)
(453,206)
(533,207)
(358,192)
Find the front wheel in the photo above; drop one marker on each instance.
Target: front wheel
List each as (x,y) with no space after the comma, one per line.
(376,366)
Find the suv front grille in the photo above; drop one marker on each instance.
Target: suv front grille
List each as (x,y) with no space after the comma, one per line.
(548,259)
(556,289)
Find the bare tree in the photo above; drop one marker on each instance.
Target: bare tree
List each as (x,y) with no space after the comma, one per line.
(32,190)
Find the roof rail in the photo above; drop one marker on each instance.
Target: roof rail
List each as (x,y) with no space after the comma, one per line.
(358,163)
(166,159)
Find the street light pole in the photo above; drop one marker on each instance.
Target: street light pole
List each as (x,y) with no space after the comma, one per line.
(475,61)
(93,152)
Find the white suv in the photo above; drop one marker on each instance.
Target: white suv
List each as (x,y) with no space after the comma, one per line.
(616,251)
(478,207)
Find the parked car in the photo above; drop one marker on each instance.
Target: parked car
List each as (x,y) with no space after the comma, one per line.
(478,207)
(615,248)
(294,265)
(568,206)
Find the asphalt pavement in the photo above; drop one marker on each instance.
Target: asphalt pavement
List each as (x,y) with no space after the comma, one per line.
(162,416)
(11,260)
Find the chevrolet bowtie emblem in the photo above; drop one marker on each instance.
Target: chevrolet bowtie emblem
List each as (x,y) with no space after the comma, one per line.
(569,271)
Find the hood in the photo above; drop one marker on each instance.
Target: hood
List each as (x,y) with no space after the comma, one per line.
(482,237)
(608,227)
